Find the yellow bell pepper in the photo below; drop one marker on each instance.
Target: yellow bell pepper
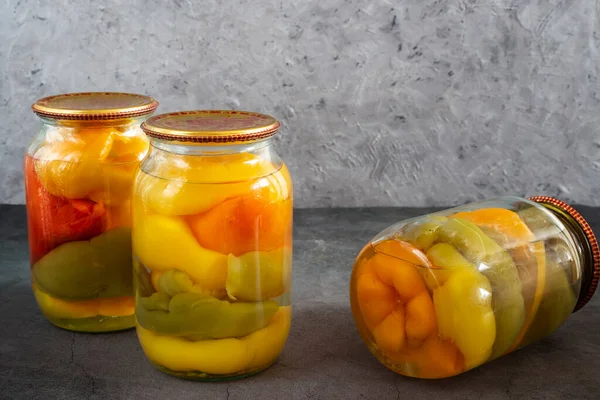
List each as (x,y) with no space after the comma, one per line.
(164,243)
(462,298)
(187,185)
(496,264)
(97,163)
(509,230)
(221,356)
(56,308)
(113,184)
(445,259)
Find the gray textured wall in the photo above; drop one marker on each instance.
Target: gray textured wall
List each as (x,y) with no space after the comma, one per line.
(411,103)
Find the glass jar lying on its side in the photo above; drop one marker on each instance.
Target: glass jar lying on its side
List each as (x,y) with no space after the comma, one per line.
(212,244)
(79,173)
(440,294)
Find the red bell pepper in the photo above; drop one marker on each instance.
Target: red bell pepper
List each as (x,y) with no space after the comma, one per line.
(53,220)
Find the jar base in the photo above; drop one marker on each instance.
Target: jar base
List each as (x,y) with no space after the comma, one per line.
(99,324)
(204,377)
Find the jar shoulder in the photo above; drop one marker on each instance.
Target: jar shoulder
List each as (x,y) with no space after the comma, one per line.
(104,144)
(217,169)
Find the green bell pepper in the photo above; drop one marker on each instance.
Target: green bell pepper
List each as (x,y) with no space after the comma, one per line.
(96,268)
(200,317)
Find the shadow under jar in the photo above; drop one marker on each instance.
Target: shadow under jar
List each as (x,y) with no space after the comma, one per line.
(212,245)
(79,172)
(440,294)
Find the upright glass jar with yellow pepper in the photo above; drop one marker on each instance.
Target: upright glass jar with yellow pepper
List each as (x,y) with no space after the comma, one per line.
(212,244)
(79,173)
(438,295)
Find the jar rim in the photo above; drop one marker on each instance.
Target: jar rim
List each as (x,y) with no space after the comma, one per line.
(211,126)
(591,239)
(89,106)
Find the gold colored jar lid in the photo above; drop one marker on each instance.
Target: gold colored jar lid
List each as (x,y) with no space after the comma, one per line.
(211,126)
(561,207)
(94,106)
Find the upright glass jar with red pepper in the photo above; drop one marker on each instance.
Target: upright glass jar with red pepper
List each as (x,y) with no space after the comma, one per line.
(79,172)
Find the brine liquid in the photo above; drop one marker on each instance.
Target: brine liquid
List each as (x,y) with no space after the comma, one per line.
(80,243)
(446,293)
(212,265)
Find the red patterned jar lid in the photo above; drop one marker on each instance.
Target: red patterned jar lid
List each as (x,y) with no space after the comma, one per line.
(211,126)
(591,238)
(94,106)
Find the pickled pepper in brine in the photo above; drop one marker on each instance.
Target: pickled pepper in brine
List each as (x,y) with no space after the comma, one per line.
(440,294)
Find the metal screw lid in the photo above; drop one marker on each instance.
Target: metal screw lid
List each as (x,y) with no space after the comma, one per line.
(94,106)
(211,126)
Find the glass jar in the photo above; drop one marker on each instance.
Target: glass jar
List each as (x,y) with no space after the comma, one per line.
(212,244)
(440,294)
(79,172)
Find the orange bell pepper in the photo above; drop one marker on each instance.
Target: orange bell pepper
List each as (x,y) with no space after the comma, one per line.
(394,301)
(398,313)
(243,224)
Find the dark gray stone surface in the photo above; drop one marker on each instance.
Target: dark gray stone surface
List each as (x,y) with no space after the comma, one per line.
(324,357)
